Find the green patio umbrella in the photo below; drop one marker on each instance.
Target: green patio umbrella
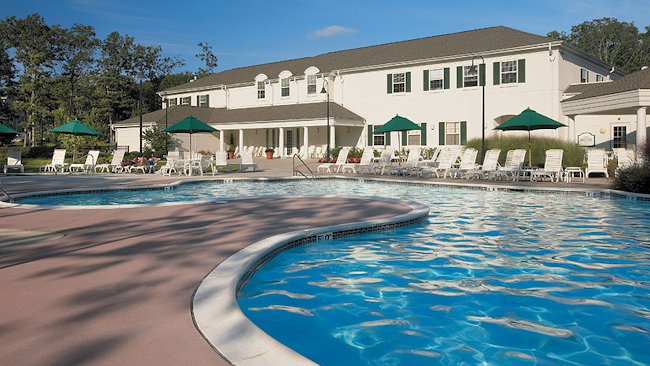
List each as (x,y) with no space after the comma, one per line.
(190,125)
(529,120)
(4,130)
(76,128)
(398,123)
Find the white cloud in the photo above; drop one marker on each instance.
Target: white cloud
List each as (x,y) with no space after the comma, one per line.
(332,31)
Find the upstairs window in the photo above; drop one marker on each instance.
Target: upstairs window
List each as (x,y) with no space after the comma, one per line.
(436,79)
(186,101)
(284,87)
(261,90)
(399,83)
(584,75)
(508,72)
(470,76)
(311,84)
(203,100)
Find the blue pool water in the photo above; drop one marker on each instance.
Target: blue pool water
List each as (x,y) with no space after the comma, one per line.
(495,278)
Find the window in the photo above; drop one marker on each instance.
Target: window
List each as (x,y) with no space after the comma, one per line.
(599,77)
(452,133)
(436,79)
(413,138)
(186,101)
(399,83)
(378,139)
(261,90)
(284,87)
(584,76)
(508,72)
(470,76)
(311,84)
(203,100)
(172,101)
(619,137)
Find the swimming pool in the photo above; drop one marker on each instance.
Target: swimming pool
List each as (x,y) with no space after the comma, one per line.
(498,278)
(494,277)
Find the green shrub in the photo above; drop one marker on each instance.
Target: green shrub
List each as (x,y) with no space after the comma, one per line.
(355,152)
(574,154)
(635,178)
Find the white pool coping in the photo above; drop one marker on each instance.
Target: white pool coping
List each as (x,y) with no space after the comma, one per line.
(217,314)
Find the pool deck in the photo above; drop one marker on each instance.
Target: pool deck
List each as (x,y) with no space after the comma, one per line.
(108,287)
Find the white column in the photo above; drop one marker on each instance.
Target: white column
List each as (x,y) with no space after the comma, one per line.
(221,138)
(572,129)
(281,142)
(241,140)
(640,131)
(305,141)
(332,137)
(364,136)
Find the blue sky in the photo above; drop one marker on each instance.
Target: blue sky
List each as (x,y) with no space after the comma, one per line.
(244,33)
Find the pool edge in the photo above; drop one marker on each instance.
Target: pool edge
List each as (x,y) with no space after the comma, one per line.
(215,310)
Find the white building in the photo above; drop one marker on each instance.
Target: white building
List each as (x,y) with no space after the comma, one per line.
(430,80)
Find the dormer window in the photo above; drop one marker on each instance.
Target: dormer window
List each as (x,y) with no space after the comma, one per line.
(284,87)
(261,90)
(311,84)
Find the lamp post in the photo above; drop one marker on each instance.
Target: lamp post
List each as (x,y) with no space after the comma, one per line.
(478,78)
(166,103)
(323,91)
(140,77)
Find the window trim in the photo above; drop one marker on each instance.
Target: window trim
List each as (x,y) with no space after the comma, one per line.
(283,88)
(584,78)
(379,135)
(202,102)
(395,84)
(623,137)
(441,78)
(412,133)
(466,76)
(188,99)
(261,92)
(514,71)
(310,84)
(172,102)
(448,134)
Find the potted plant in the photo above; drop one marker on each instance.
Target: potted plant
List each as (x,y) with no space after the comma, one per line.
(269,153)
(231,152)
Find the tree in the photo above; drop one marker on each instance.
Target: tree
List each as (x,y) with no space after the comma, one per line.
(208,58)
(616,43)
(78,47)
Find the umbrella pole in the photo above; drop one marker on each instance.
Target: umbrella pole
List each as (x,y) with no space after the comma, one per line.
(530,152)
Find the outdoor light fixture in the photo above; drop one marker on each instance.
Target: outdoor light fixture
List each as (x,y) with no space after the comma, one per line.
(327,91)
(140,77)
(166,102)
(478,78)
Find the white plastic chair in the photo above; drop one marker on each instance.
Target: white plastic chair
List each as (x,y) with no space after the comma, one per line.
(247,161)
(89,165)
(220,162)
(490,164)
(58,162)
(514,162)
(467,162)
(335,167)
(115,164)
(14,161)
(552,166)
(596,162)
(171,163)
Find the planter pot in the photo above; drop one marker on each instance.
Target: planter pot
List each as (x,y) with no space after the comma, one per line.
(231,154)
(269,155)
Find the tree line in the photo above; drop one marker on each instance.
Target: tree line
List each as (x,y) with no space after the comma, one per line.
(50,75)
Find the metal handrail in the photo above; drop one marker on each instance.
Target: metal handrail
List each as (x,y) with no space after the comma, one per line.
(296,172)
(11,199)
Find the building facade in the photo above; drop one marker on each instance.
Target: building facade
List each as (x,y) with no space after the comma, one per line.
(442,83)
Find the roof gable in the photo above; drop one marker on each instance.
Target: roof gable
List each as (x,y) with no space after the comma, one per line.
(634,81)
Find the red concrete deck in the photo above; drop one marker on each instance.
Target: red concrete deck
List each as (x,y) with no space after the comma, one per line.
(116,289)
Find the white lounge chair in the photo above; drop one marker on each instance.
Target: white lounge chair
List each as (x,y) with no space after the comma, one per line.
(490,164)
(247,161)
(58,162)
(447,158)
(410,166)
(625,159)
(171,163)
(467,162)
(115,164)
(89,165)
(552,166)
(384,161)
(341,160)
(596,162)
(365,163)
(513,165)
(220,162)
(14,161)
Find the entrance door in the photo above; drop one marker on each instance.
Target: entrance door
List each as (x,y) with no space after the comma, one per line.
(289,143)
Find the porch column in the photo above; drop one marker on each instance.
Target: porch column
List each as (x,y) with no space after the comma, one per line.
(332,137)
(305,141)
(221,138)
(281,142)
(364,136)
(572,129)
(241,140)
(640,132)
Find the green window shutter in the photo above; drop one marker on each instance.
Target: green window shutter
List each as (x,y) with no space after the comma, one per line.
(389,83)
(198,100)
(423,134)
(496,73)
(405,137)
(481,74)
(371,129)
(207,100)
(459,77)
(387,138)
(521,71)
(446,79)
(425,77)
(408,82)
(441,133)
(463,132)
